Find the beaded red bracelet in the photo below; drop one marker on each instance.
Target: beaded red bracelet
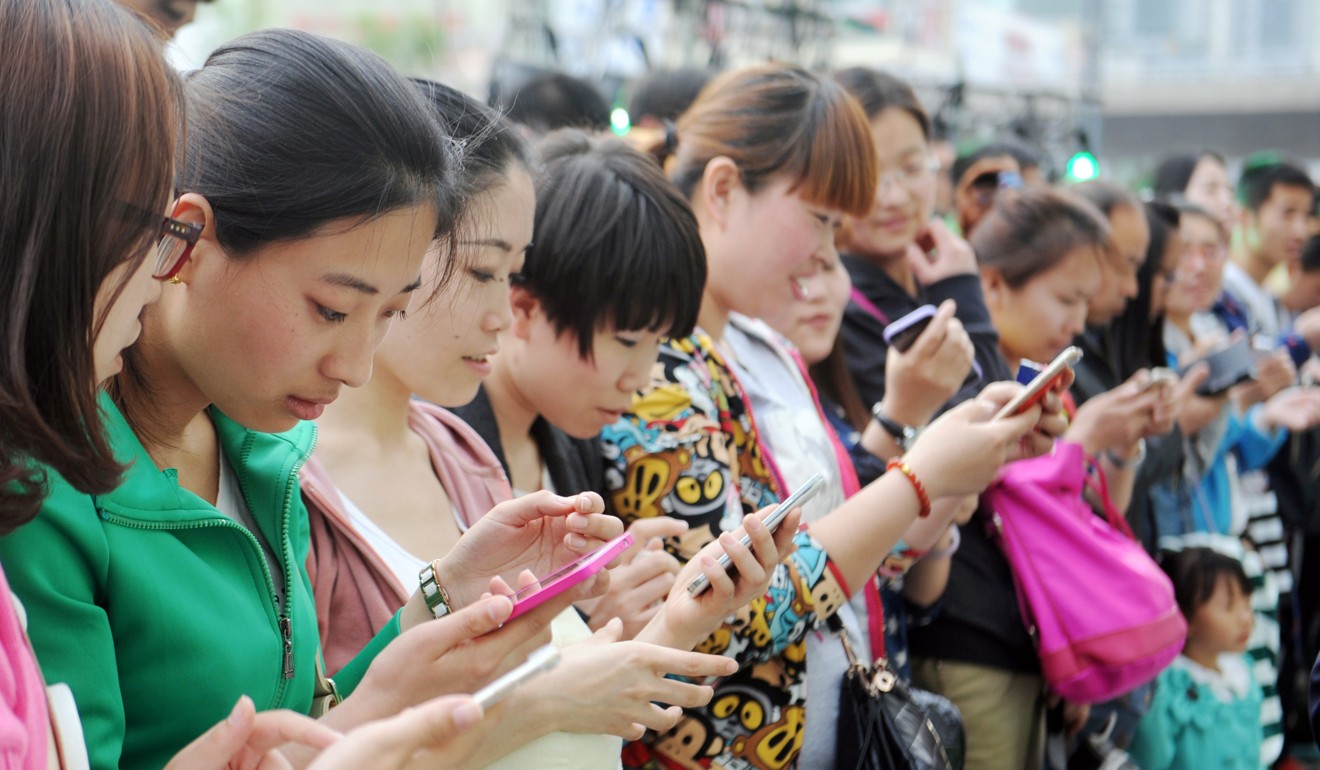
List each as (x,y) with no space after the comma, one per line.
(902,467)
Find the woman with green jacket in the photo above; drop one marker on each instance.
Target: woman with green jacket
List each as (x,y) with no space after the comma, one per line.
(313,180)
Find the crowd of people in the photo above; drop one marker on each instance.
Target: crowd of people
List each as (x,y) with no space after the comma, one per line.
(309,370)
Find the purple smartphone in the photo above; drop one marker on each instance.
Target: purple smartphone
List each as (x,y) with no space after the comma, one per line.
(902,333)
(569,575)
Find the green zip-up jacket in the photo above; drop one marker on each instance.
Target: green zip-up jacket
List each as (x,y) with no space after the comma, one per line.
(158,610)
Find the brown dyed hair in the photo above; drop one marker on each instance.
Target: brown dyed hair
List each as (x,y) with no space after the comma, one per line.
(88,132)
(1031,230)
(776,120)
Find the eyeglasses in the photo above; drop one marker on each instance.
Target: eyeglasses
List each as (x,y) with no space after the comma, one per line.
(911,174)
(176,244)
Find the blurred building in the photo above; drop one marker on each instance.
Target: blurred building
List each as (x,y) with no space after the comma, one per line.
(1232,75)
(1131,80)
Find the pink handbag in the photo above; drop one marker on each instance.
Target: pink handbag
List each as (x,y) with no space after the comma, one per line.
(1101,611)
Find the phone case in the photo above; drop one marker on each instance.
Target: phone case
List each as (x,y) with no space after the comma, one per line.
(569,575)
(921,316)
(1042,383)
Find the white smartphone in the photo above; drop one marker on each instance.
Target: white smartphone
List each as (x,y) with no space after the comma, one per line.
(772,522)
(1041,383)
(541,660)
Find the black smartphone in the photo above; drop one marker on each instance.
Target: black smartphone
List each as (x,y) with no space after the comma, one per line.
(901,334)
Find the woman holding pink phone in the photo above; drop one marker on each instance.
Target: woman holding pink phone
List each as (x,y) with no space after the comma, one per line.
(366,536)
(261,320)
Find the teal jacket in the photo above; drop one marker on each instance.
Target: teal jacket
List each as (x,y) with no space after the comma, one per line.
(158,610)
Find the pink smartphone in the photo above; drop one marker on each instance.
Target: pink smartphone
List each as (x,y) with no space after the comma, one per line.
(569,575)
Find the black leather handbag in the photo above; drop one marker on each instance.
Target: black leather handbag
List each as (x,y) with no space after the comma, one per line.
(886,725)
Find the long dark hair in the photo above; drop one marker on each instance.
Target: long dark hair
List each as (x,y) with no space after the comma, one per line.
(1139,340)
(1031,230)
(289,132)
(88,128)
(487,144)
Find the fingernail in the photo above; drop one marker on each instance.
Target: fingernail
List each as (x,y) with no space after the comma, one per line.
(467,715)
(234,716)
(577,522)
(753,524)
(577,541)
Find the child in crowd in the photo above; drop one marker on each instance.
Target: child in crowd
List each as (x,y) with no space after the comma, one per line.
(1206,711)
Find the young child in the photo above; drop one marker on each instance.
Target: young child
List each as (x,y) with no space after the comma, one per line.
(1206,711)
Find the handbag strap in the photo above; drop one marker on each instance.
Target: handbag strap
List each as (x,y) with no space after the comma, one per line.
(866,304)
(1099,483)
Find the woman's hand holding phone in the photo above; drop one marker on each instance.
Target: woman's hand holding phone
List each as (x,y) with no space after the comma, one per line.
(1114,421)
(455,654)
(961,452)
(922,379)
(686,618)
(608,686)
(538,532)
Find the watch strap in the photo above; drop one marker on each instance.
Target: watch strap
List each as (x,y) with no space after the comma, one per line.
(903,435)
(437,600)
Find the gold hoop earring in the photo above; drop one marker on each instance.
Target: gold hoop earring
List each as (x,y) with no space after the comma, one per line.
(176,280)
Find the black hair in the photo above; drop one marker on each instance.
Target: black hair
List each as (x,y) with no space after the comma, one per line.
(1139,340)
(1106,196)
(878,91)
(616,243)
(291,131)
(488,145)
(1311,254)
(1175,172)
(666,94)
(1014,150)
(1258,183)
(488,148)
(556,100)
(1029,231)
(1196,573)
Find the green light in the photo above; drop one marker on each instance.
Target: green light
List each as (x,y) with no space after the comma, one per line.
(619,122)
(1083,166)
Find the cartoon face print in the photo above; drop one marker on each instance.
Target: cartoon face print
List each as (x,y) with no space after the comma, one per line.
(689,742)
(827,597)
(648,478)
(741,709)
(776,746)
(701,491)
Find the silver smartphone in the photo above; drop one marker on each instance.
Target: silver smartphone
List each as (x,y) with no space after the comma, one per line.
(772,522)
(541,660)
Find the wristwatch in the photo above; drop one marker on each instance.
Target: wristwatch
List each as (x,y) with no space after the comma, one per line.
(904,435)
(437,601)
(1128,463)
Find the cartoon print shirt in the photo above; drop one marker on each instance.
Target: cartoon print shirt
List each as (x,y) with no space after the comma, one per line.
(690,449)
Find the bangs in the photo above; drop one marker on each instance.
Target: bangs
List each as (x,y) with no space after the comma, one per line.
(834,163)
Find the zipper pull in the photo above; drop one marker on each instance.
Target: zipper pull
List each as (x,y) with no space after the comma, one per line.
(286,630)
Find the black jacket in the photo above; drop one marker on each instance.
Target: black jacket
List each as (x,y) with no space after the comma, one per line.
(979,621)
(574,465)
(1100,371)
